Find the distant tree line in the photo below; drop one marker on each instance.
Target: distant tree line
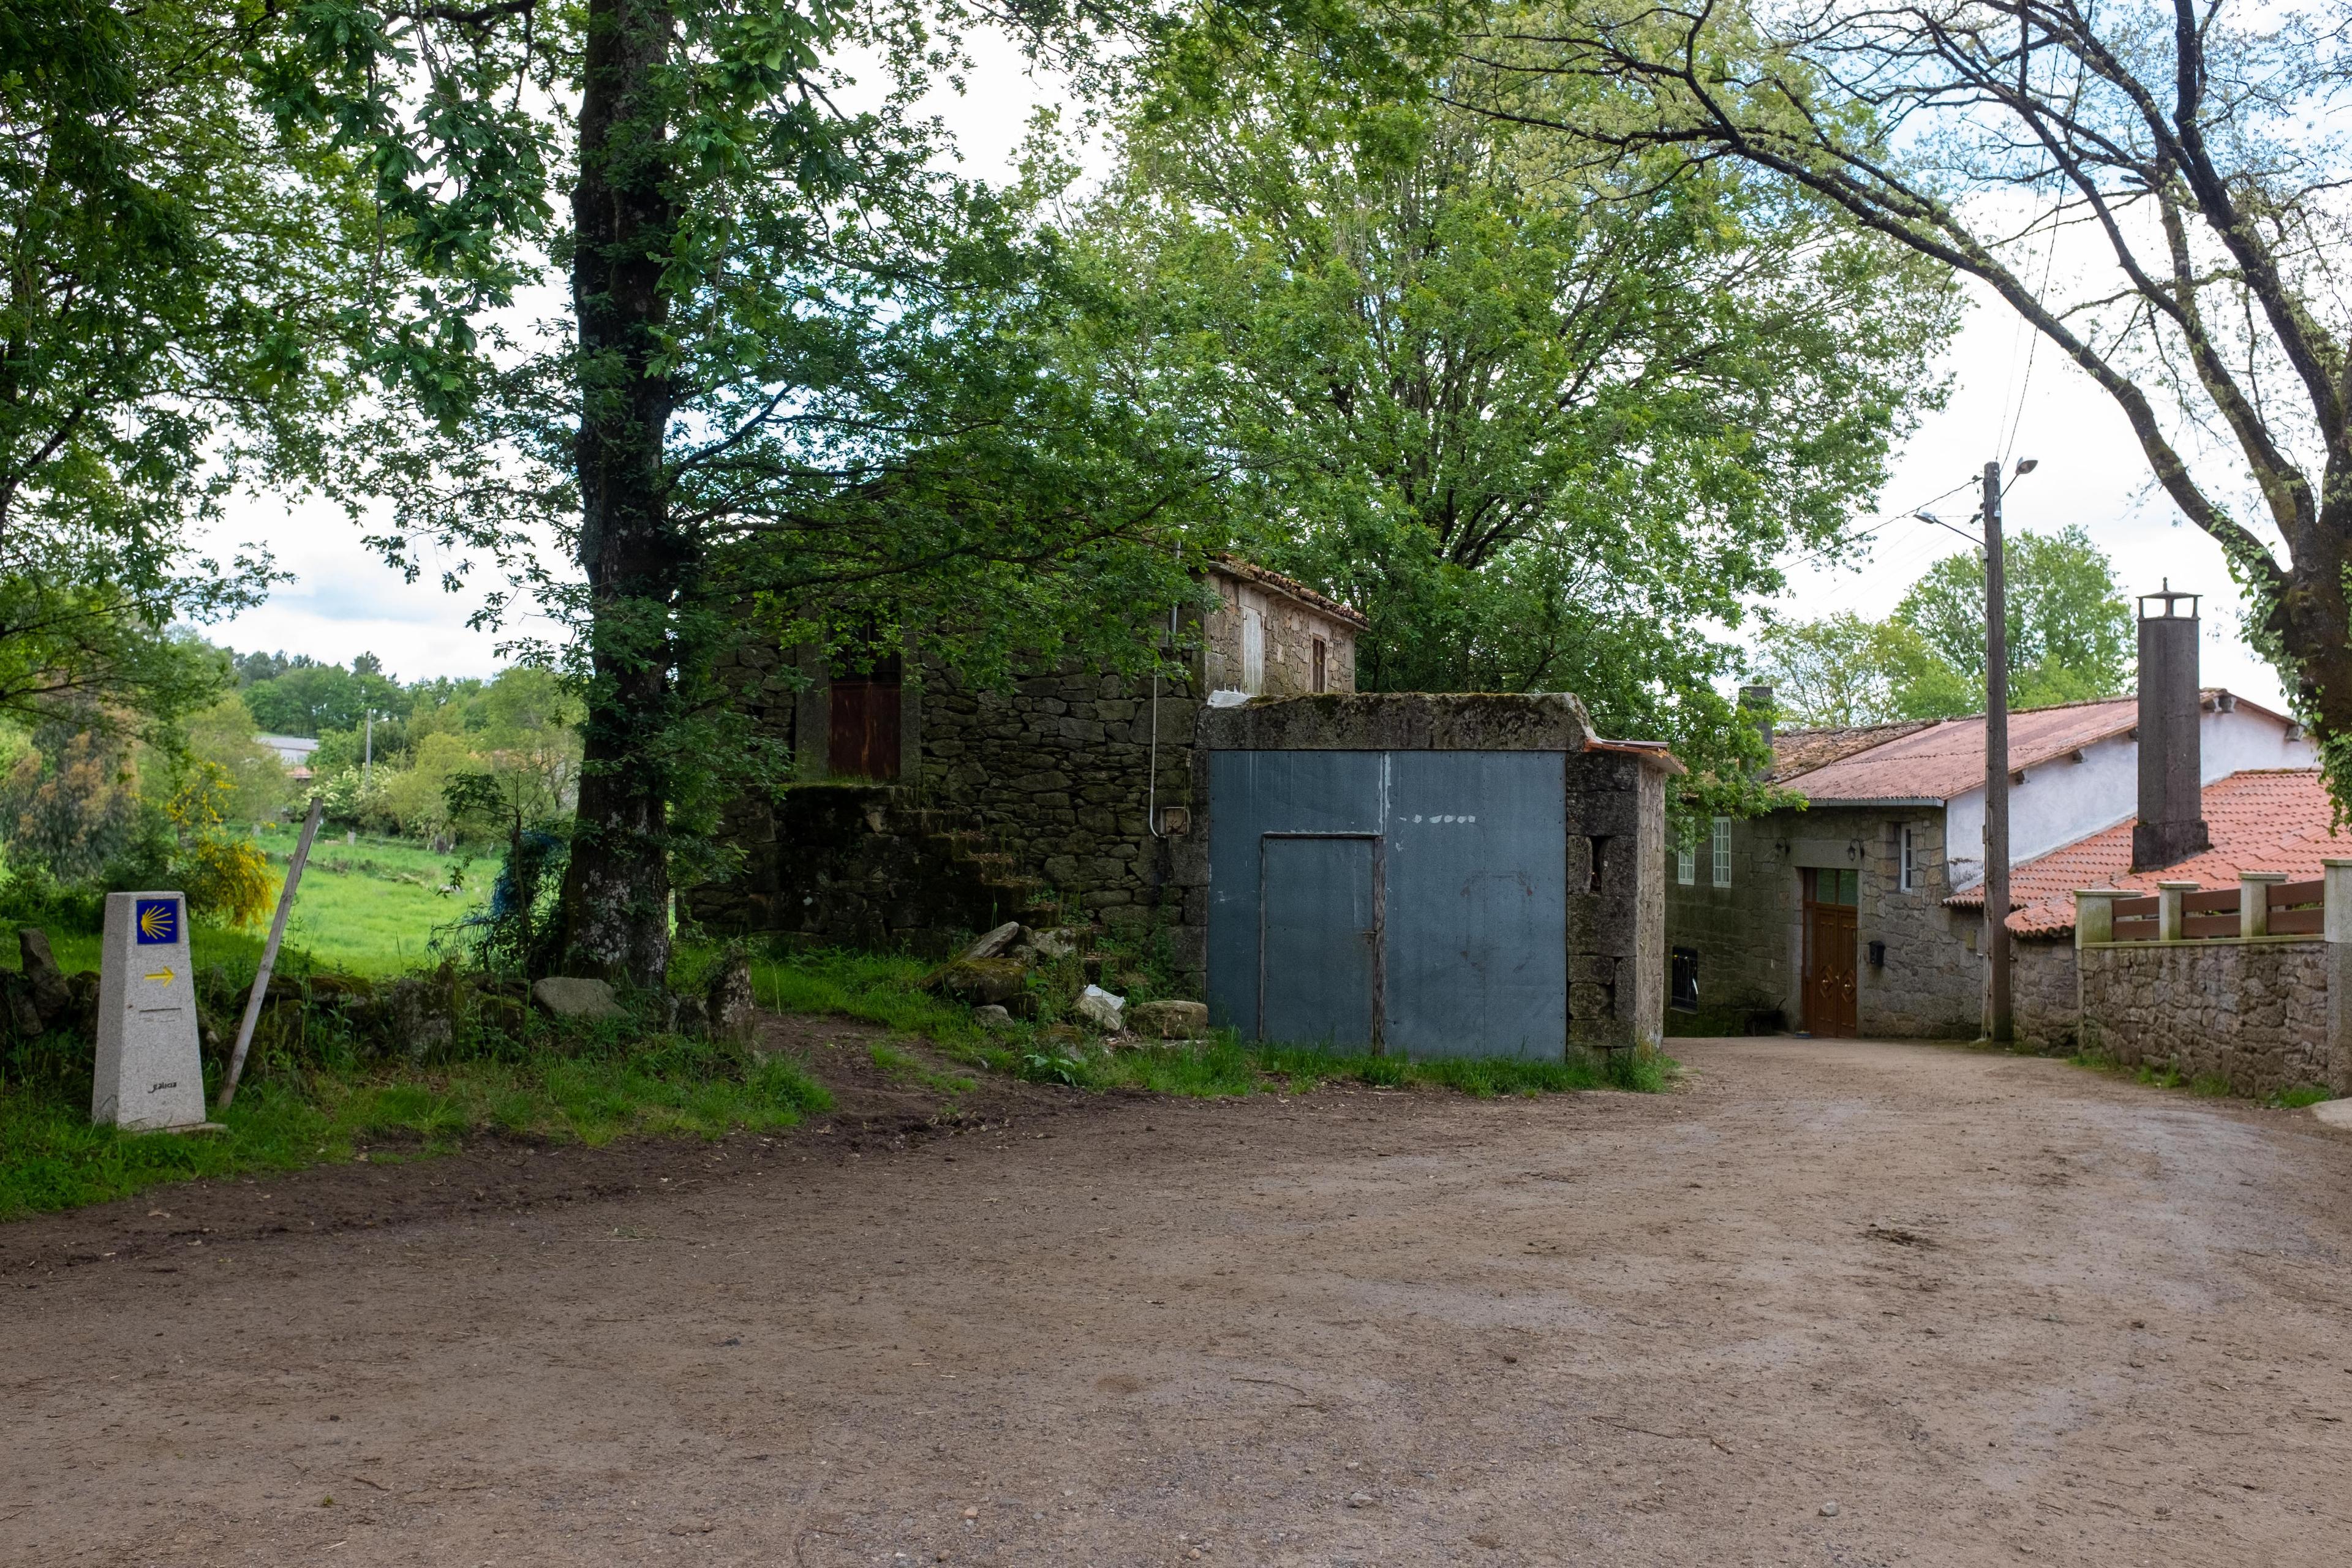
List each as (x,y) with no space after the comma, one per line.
(2070,640)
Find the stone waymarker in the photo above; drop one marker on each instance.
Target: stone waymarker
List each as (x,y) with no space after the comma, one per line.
(149,1073)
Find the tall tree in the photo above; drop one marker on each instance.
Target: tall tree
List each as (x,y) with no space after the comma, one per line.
(2196,149)
(811,384)
(2070,628)
(182,288)
(2070,633)
(1546,430)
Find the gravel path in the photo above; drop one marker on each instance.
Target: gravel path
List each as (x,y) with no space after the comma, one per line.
(1993,1309)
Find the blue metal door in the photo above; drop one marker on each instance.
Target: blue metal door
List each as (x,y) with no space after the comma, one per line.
(1456,860)
(1320,940)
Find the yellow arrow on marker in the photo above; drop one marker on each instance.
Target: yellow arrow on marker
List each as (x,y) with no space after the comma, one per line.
(160,975)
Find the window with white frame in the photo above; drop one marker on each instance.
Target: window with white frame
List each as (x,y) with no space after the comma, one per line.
(1721,846)
(1910,860)
(1686,861)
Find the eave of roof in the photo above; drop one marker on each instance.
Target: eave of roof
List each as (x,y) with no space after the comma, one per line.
(1289,587)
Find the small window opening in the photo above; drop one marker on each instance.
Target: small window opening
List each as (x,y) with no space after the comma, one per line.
(1319,664)
(1910,878)
(1599,862)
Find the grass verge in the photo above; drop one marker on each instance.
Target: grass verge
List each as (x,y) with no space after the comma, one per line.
(887,989)
(51,1157)
(2210,1085)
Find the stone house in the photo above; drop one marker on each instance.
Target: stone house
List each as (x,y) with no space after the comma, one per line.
(923,806)
(1862,912)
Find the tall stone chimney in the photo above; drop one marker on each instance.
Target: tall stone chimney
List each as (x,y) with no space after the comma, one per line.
(2171,826)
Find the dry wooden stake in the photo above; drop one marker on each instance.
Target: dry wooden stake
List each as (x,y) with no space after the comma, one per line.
(269,952)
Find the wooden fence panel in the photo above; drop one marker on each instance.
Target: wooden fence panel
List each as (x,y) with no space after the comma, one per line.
(2294,895)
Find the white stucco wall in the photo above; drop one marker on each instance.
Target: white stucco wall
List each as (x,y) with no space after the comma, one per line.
(2062,801)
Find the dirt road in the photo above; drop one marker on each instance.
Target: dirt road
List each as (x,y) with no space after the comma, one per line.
(1996,1310)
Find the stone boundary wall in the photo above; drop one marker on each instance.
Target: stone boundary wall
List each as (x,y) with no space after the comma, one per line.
(2044,993)
(2254,1013)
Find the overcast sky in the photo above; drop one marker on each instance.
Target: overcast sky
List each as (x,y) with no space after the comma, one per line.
(343,602)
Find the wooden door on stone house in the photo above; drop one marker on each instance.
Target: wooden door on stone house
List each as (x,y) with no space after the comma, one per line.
(1830,900)
(862,739)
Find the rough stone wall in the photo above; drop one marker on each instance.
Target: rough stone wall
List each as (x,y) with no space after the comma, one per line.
(2043,998)
(1291,628)
(1616,934)
(2251,1013)
(1742,933)
(1057,773)
(843,863)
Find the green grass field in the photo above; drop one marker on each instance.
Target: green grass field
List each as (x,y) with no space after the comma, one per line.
(375,907)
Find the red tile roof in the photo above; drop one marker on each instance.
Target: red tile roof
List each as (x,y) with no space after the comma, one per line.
(1796,752)
(1940,760)
(2261,821)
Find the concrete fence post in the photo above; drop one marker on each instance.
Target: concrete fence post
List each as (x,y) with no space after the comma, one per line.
(2167,908)
(2336,881)
(2095,914)
(2254,901)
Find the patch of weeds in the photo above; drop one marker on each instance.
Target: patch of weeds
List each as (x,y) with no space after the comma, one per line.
(1042,1067)
(896,1064)
(2299,1096)
(2211,1086)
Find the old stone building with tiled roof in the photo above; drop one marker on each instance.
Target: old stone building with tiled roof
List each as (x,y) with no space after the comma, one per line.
(1862,912)
(924,807)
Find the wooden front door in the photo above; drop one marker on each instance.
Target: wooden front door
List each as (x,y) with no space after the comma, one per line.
(862,742)
(1830,899)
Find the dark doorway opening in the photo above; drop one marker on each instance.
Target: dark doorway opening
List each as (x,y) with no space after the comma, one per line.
(862,742)
(1831,896)
(1681,993)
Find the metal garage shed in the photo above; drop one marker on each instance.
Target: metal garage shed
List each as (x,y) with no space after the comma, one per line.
(1432,875)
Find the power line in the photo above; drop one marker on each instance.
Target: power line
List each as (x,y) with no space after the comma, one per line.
(1885,521)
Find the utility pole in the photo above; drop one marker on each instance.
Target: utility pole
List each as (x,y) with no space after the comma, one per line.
(2000,1023)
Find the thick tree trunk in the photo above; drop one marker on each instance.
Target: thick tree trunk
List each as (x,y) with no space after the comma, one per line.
(2309,620)
(617,894)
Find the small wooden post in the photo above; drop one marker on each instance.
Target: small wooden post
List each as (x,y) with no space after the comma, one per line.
(270,952)
(2254,901)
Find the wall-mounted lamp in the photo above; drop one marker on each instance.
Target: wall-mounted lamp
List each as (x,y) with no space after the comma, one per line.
(1877,955)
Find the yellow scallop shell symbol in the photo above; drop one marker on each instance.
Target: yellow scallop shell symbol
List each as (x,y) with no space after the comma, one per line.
(155,922)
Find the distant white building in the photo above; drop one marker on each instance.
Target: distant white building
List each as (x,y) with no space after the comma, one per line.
(293,751)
